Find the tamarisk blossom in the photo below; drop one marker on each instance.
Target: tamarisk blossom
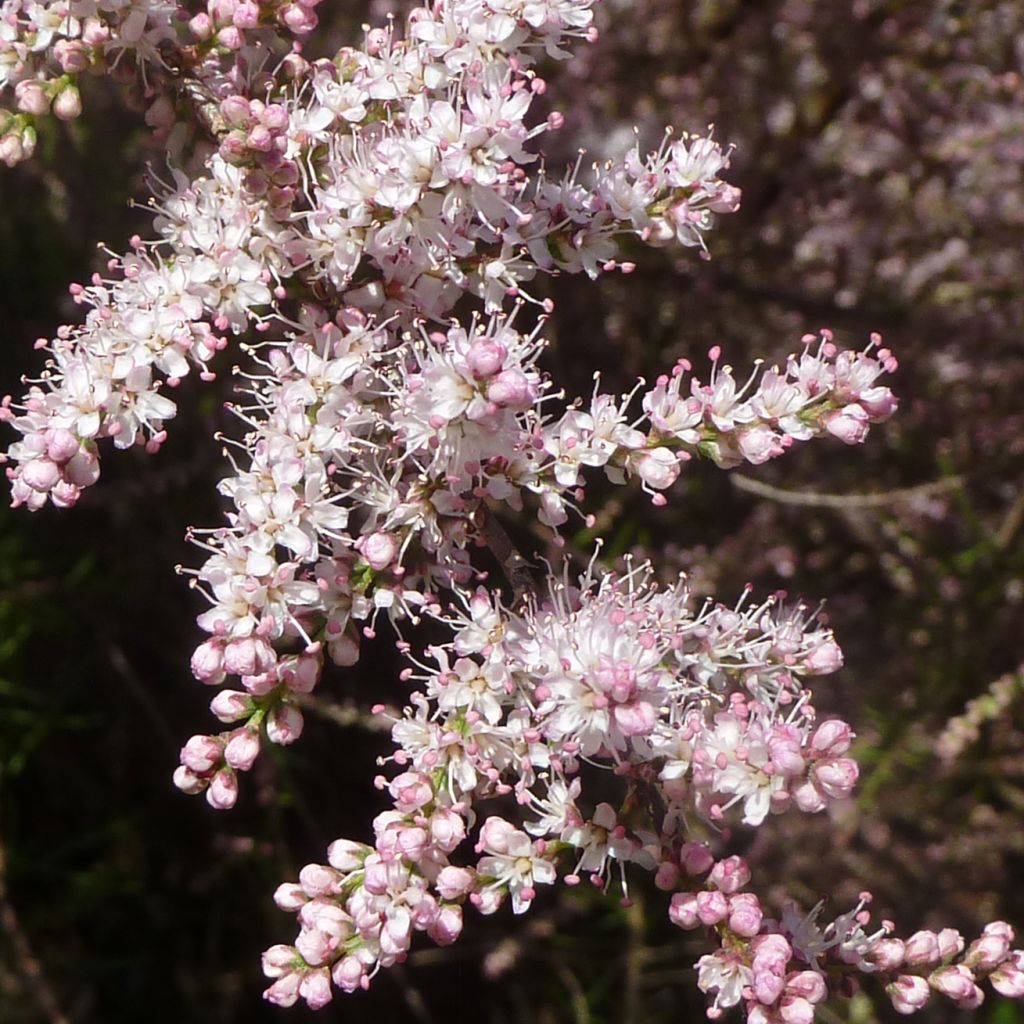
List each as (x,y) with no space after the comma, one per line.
(46,46)
(619,674)
(348,208)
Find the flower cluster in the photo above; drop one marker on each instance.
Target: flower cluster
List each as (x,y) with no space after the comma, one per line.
(46,46)
(693,712)
(349,214)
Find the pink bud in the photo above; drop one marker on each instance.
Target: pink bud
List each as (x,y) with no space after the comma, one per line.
(248,656)
(796,1010)
(987,952)
(825,658)
(289,896)
(235,110)
(454,882)
(667,876)
(849,424)
(284,724)
(447,829)
(485,357)
(658,468)
(879,403)
(231,37)
(71,55)
(1008,978)
(921,948)
(446,926)
(887,954)
(231,705)
(223,791)
(279,960)
(319,880)
(696,858)
(40,474)
(682,911)
(61,444)
(284,991)
(950,943)
(315,988)
(208,663)
(202,754)
(908,993)
(956,982)
(346,855)
(379,550)
(187,781)
(730,875)
(745,914)
(831,738)
(31,97)
(712,907)
(247,15)
(348,974)
(201,26)
(242,749)
(68,103)
(807,985)
(512,389)
(837,778)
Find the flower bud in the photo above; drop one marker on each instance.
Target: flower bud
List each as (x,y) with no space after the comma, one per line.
(31,97)
(223,791)
(446,926)
(242,749)
(512,389)
(202,754)
(921,948)
(745,914)
(71,55)
(695,858)
(485,357)
(284,724)
(850,424)
(348,974)
(682,911)
(712,907)
(730,875)
(231,706)
(208,663)
(1008,978)
(887,954)
(379,550)
(289,896)
(67,105)
(315,988)
(957,982)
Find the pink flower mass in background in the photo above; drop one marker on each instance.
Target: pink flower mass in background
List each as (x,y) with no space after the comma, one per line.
(363,242)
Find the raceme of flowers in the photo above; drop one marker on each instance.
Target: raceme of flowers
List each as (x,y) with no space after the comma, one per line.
(347,210)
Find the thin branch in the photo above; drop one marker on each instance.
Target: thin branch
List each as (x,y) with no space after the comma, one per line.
(347,715)
(513,564)
(812,499)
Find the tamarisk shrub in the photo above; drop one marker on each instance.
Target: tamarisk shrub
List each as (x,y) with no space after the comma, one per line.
(371,233)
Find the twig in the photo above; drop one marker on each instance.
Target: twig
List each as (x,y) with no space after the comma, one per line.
(515,567)
(346,715)
(811,499)
(29,967)
(1011,524)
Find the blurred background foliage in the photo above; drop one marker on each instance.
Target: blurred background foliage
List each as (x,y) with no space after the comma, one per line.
(880,147)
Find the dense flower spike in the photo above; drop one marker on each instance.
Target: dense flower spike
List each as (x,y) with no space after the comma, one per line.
(376,229)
